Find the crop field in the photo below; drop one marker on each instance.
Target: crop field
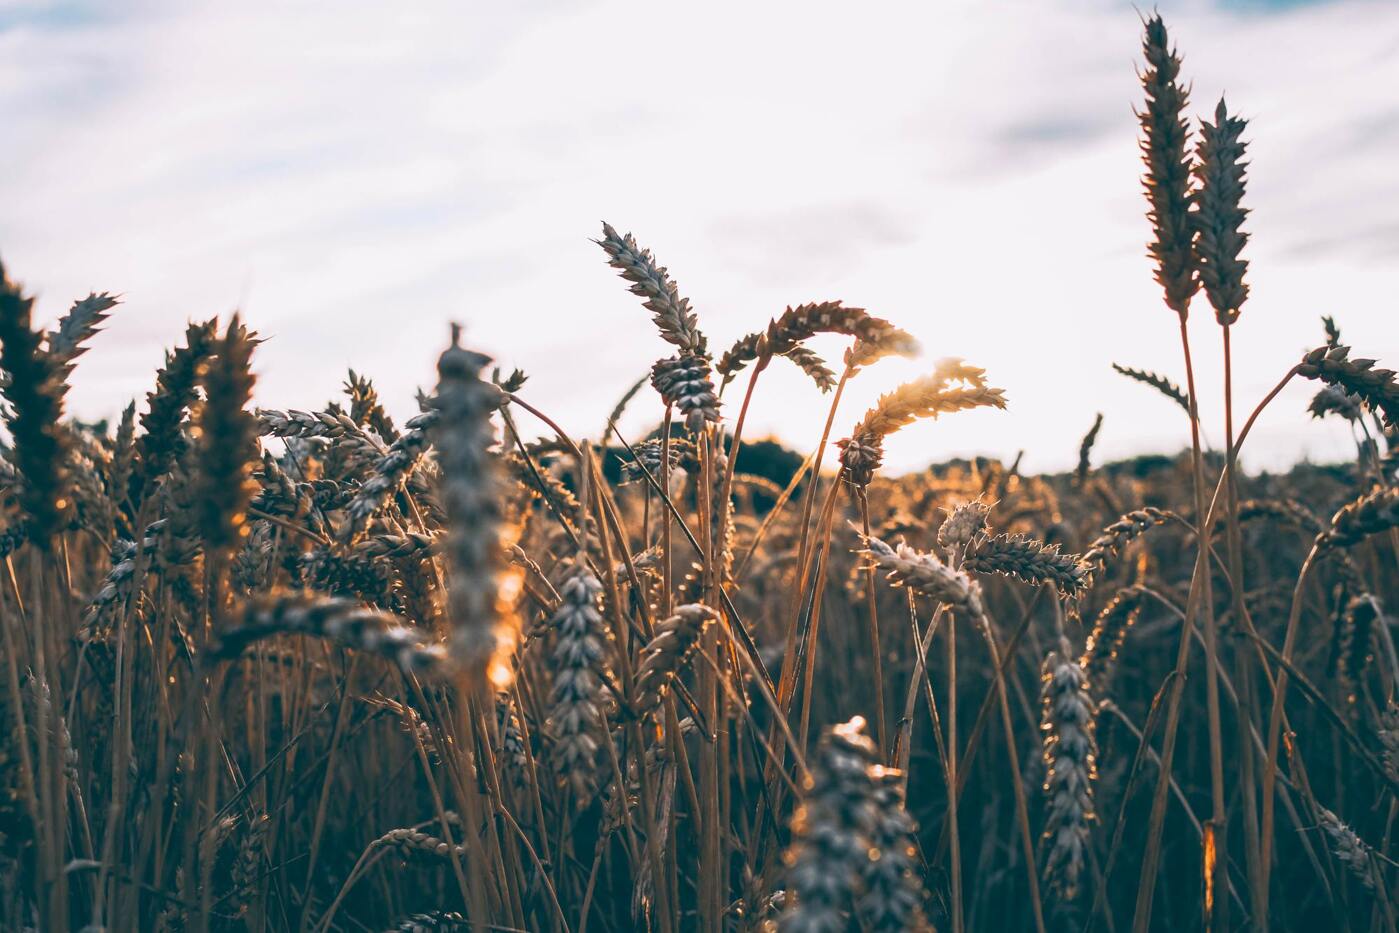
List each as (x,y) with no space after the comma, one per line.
(273,669)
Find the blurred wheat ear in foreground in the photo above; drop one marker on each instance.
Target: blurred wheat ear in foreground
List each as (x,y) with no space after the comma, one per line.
(325,670)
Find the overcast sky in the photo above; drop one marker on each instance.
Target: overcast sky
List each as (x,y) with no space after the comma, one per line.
(356,175)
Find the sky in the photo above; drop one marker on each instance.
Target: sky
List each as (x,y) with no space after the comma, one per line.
(354,176)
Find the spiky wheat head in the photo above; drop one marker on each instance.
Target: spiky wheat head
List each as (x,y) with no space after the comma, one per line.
(1029,561)
(580,640)
(952,386)
(227,440)
(1350,850)
(892,880)
(83,320)
(34,390)
(1158,382)
(176,389)
(1109,631)
(1357,520)
(1167,179)
(683,381)
(1219,213)
(667,652)
(1085,450)
(1070,761)
(652,283)
(345,621)
(1388,734)
(482,588)
(786,332)
(1333,400)
(1118,535)
(831,833)
(925,573)
(962,526)
(1360,378)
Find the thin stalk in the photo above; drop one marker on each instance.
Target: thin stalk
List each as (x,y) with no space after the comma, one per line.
(1201,600)
(1270,761)
(1243,669)
(876,652)
(956,851)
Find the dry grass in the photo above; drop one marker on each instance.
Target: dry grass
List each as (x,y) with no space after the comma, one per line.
(316,671)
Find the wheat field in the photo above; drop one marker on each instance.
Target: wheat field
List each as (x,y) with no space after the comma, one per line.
(317,670)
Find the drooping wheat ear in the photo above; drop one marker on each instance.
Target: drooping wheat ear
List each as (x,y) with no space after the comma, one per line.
(354,574)
(1356,521)
(1376,387)
(814,366)
(786,332)
(926,574)
(176,388)
(34,390)
(1070,754)
(411,545)
(1158,382)
(482,588)
(683,381)
(667,652)
(893,884)
(390,473)
(672,314)
(580,640)
(964,524)
(344,621)
(1118,535)
(1219,213)
(365,407)
(1351,851)
(227,444)
(1085,450)
(410,841)
(1358,626)
(928,397)
(1167,180)
(891,343)
(1333,400)
(1028,560)
(832,830)
(1286,511)
(1333,332)
(1388,733)
(293,423)
(1109,631)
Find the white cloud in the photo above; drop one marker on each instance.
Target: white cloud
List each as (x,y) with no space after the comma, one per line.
(356,178)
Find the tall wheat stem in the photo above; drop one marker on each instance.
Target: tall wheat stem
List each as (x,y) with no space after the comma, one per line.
(1275,717)
(876,653)
(1243,668)
(956,853)
(1200,600)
